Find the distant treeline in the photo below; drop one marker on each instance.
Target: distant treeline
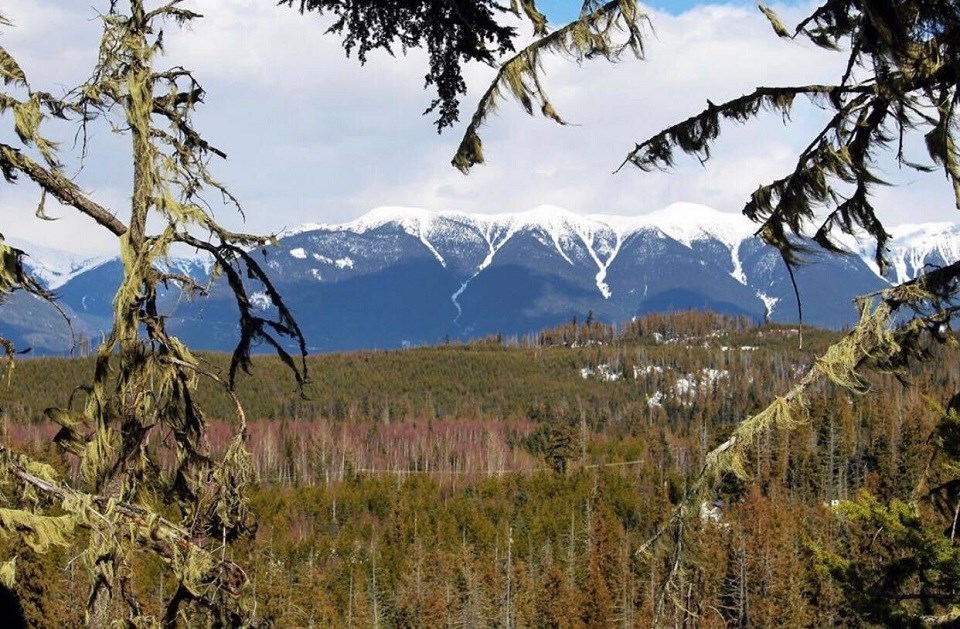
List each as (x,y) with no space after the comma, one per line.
(483,379)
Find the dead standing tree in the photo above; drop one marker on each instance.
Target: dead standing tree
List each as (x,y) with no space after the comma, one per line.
(141,398)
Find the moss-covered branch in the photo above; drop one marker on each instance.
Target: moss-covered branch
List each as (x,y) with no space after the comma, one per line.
(141,400)
(592,35)
(203,573)
(884,340)
(57,185)
(907,83)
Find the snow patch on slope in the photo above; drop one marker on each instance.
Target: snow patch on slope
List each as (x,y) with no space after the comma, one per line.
(346,262)
(600,239)
(769,303)
(495,239)
(55,267)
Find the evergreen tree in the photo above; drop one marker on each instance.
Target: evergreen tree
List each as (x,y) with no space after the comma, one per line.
(901,558)
(557,605)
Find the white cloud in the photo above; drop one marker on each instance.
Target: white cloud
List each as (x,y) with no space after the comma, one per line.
(71,231)
(313,137)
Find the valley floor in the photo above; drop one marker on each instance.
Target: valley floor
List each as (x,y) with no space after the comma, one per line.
(482,485)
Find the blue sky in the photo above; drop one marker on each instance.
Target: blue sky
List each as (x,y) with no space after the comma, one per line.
(566,10)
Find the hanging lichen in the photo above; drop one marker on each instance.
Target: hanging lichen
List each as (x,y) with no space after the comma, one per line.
(144,378)
(593,35)
(908,56)
(900,78)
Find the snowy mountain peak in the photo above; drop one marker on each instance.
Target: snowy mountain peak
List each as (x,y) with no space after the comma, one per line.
(54,267)
(689,222)
(594,239)
(912,247)
(685,222)
(416,219)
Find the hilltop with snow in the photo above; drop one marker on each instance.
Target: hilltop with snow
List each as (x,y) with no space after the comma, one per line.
(398,276)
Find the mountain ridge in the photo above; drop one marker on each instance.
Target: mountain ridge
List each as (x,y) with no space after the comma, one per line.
(909,246)
(398,276)
(600,234)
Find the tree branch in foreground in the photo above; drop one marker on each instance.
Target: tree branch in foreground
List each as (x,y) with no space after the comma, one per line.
(54,183)
(875,343)
(200,570)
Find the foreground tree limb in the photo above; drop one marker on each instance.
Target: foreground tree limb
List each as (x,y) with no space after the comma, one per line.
(592,35)
(53,182)
(900,78)
(148,529)
(907,84)
(877,343)
(141,400)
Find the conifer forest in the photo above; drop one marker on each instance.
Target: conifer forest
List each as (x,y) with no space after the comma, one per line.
(679,469)
(516,482)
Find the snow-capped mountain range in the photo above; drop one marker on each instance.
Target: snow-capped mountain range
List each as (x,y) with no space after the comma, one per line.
(399,276)
(913,246)
(570,235)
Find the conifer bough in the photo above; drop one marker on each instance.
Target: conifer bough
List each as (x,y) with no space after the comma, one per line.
(141,398)
(901,77)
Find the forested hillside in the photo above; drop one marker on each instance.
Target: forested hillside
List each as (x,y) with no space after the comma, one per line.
(514,482)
